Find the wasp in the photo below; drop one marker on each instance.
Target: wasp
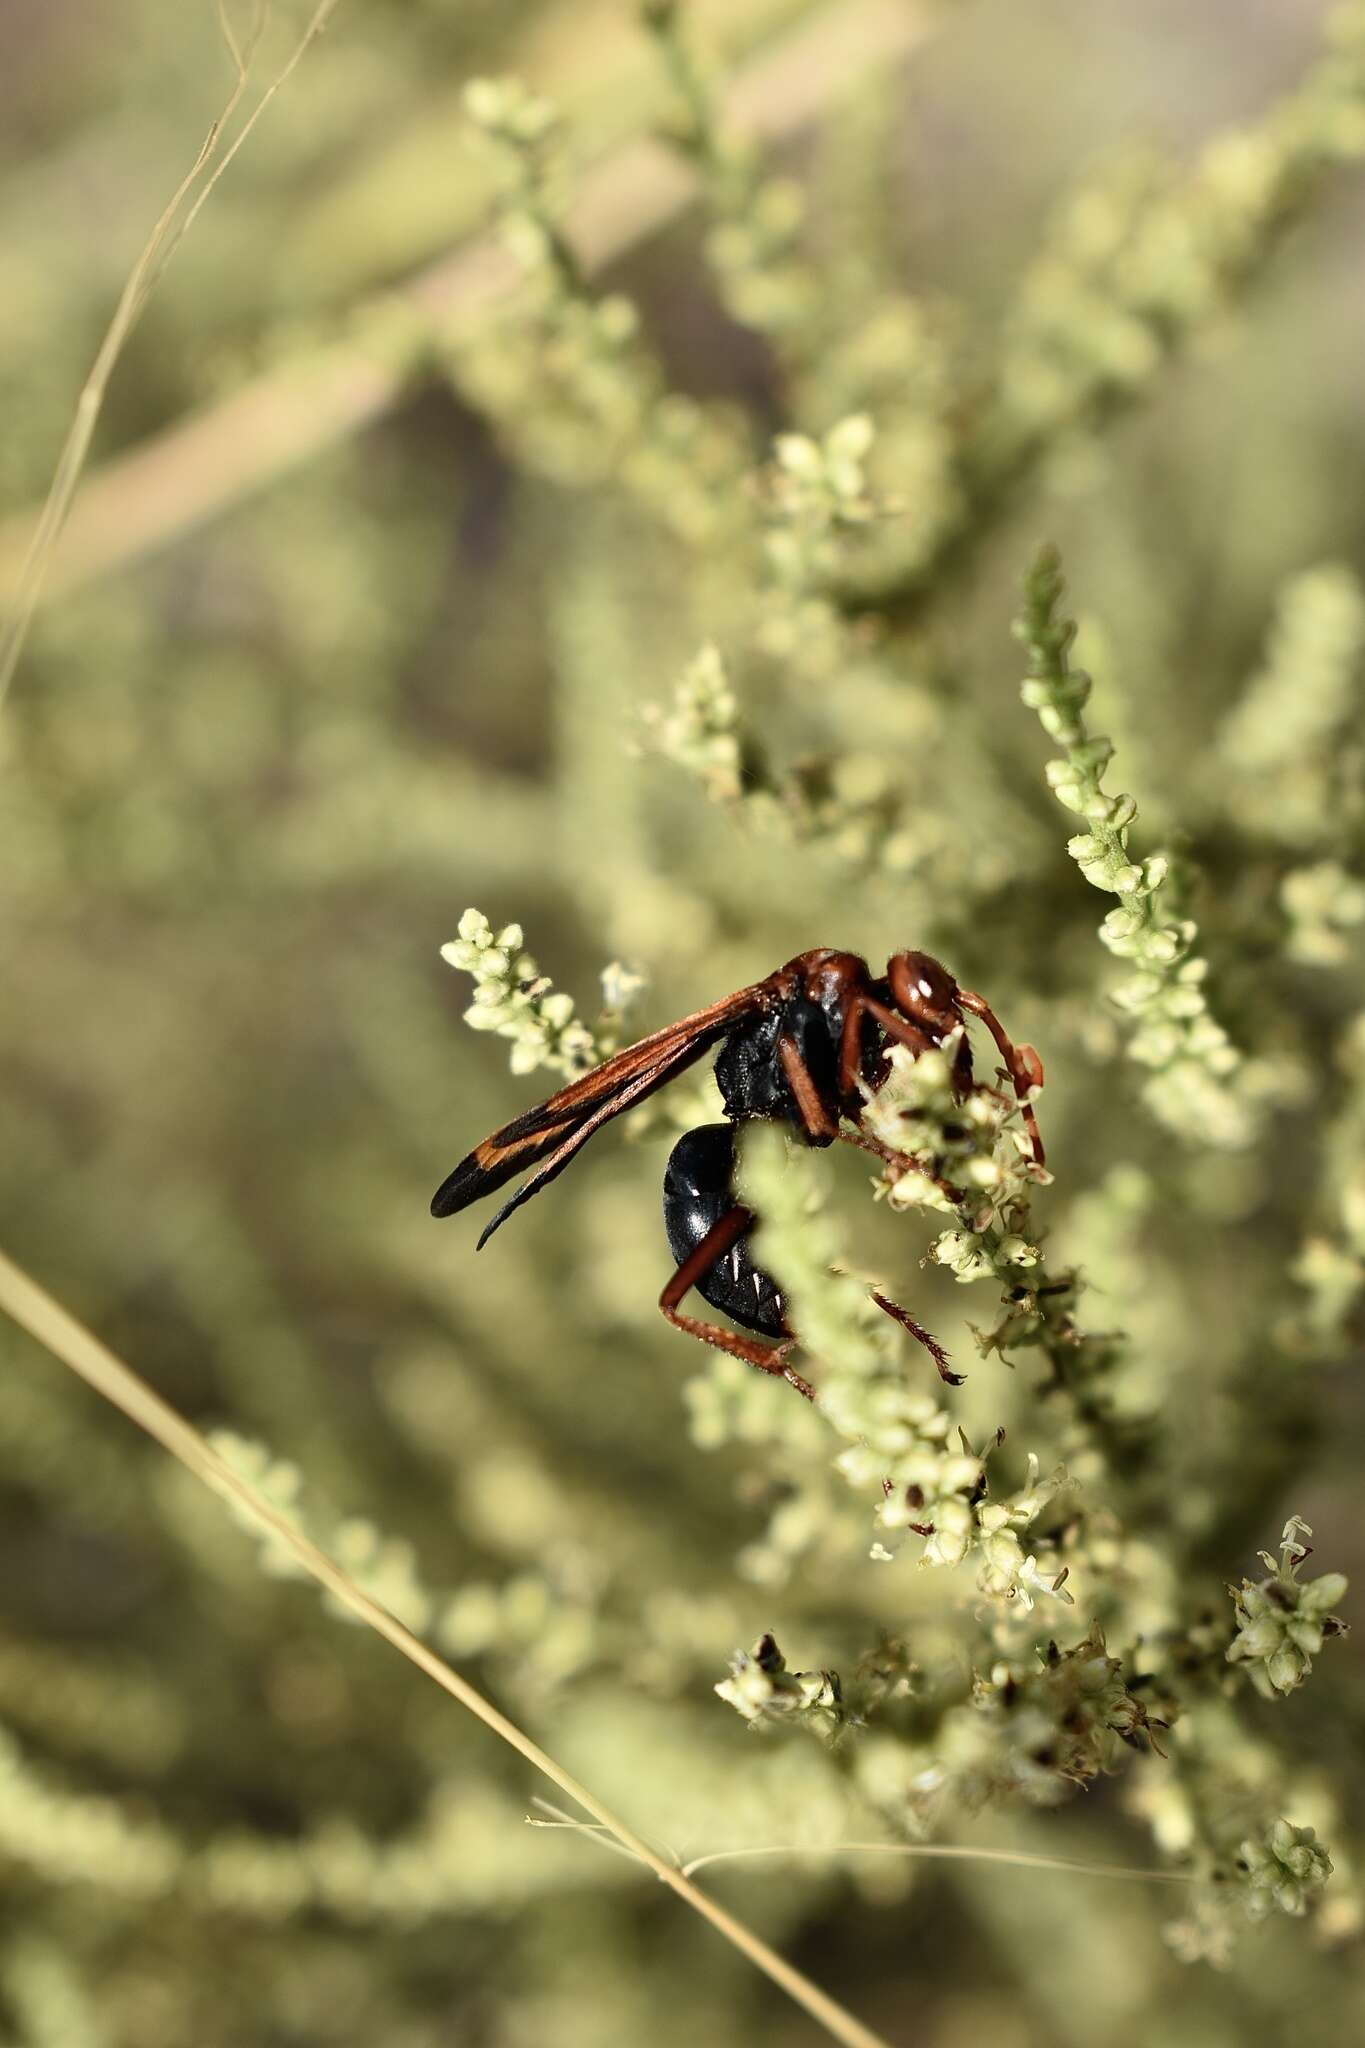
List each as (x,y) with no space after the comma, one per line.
(806,1046)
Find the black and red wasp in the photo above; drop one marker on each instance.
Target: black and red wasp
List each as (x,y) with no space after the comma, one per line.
(802,1047)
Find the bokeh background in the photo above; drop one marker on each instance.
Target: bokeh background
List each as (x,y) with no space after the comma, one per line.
(262,753)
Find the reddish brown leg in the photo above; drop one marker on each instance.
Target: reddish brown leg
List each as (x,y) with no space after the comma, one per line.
(898,1161)
(921,1336)
(887,1154)
(822,1123)
(717,1241)
(899,1028)
(918,1041)
(1022,1064)
(851,1047)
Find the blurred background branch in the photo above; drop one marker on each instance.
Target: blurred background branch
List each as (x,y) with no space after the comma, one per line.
(190,471)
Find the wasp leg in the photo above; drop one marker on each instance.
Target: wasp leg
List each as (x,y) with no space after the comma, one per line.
(896,1027)
(900,1161)
(717,1241)
(899,1028)
(921,1336)
(820,1121)
(851,1048)
(1022,1063)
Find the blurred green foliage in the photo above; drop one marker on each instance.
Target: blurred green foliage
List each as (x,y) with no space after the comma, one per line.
(668,613)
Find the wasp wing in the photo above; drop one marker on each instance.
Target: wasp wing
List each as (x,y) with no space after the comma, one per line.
(553,1131)
(630,1093)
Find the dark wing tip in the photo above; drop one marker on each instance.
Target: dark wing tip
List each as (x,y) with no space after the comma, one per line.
(460,1188)
(501,1217)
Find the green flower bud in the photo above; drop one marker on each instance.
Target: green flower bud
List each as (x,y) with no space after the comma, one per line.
(1283,1868)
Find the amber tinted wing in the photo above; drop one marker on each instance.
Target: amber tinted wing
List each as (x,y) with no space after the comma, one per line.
(553,1131)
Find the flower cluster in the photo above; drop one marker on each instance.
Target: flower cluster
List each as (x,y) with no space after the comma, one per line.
(973,1160)
(899,1441)
(1289,741)
(761,1688)
(956,1516)
(514,999)
(384,1566)
(1032,1728)
(1143,258)
(510,112)
(1194,1079)
(1324,909)
(845,802)
(572,381)
(1281,1622)
(700,729)
(1283,1868)
(815,491)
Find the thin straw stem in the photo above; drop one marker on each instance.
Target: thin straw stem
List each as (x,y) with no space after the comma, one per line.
(36,1311)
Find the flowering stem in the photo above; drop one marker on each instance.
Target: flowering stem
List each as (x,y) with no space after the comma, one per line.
(1193,1085)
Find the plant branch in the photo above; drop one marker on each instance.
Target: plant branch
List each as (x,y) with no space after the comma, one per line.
(200,466)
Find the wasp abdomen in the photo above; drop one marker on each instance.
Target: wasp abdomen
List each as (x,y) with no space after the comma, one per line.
(698,1192)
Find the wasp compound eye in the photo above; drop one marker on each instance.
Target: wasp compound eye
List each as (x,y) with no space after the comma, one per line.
(922,988)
